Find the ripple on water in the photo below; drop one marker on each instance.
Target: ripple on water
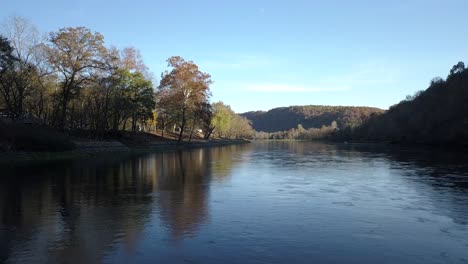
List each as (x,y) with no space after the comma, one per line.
(343,203)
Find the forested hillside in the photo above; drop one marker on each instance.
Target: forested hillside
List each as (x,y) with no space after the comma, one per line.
(437,115)
(310,116)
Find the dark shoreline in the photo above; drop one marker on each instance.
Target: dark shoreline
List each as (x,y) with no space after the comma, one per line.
(95,150)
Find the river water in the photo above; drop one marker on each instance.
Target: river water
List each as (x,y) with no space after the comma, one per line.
(270,202)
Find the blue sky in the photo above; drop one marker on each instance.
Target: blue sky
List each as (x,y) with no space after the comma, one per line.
(266,54)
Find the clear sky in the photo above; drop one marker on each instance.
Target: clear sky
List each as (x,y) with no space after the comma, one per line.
(266,54)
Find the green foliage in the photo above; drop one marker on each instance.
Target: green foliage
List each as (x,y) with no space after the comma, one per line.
(141,99)
(221,118)
(300,133)
(228,124)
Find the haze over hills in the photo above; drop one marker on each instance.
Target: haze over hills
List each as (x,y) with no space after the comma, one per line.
(309,116)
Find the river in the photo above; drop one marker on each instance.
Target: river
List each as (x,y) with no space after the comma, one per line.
(265,202)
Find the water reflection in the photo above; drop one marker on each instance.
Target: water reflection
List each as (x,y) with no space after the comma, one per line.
(73,211)
(182,180)
(79,211)
(434,173)
(264,202)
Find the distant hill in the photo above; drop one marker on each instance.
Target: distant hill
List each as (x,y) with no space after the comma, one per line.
(437,115)
(309,116)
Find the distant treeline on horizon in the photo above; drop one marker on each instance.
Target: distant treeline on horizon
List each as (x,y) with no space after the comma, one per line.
(436,115)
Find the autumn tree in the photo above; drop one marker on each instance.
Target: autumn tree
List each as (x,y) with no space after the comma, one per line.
(74,54)
(130,59)
(183,90)
(240,127)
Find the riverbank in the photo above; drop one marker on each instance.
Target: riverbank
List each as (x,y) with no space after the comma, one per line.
(90,149)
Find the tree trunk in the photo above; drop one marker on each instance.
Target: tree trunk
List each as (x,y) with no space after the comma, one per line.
(125,124)
(134,128)
(182,126)
(208,133)
(191,131)
(64,112)
(66,93)
(163,126)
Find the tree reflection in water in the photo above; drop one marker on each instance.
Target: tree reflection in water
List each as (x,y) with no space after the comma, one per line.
(109,208)
(80,210)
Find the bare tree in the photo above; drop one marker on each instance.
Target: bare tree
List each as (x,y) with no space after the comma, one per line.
(23,36)
(18,82)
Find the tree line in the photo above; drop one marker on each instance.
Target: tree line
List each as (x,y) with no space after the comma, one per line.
(300,133)
(309,117)
(71,80)
(436,115)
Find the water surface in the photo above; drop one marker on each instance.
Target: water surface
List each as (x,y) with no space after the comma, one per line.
(259,203)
